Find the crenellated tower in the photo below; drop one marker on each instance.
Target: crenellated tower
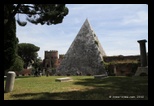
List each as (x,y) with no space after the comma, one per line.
(51,58)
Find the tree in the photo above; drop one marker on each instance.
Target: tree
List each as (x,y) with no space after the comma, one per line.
(28,52)
(10,41)
(38,63)
(36,13)
(18,64)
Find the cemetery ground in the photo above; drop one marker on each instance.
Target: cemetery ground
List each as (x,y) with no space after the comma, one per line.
(81,88)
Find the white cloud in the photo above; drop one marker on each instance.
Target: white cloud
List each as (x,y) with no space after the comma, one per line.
(140,18)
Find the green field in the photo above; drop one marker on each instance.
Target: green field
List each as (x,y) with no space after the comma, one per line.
(81,88)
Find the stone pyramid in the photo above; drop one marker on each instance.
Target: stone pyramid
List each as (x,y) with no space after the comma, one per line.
(85,54)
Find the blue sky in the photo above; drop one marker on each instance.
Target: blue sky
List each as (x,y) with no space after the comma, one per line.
(117,26)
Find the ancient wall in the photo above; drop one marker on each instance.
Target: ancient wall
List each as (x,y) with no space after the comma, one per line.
(122,65)
(122,69)
(121,58)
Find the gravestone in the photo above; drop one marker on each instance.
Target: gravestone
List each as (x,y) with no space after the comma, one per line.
(85,54)
(10,81)
(64,79)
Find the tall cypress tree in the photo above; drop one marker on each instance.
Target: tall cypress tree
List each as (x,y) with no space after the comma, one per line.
(10,39)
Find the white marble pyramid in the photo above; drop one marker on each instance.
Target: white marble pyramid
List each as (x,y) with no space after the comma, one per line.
(85,54)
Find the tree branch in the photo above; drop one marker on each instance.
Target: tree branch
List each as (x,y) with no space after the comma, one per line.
(29,13)
(15,11)
(28,6)
(12,15)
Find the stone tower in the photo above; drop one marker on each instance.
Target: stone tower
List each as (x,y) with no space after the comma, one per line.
(51,59)
(85,54)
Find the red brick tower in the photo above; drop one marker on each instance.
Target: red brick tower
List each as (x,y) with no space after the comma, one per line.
(51,59)
(54,58)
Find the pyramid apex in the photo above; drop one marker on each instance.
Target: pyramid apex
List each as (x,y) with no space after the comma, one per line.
(86,24)
(86,21)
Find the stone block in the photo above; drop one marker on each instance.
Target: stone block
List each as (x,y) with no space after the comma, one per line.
(64,79)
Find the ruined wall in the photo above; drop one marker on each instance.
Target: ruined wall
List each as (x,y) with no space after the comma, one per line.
(122,65)
(121,58)
(122,69)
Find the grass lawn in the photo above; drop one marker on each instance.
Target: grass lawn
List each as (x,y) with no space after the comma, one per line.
(81,88)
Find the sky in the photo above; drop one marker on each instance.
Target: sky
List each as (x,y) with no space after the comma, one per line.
(117,26)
